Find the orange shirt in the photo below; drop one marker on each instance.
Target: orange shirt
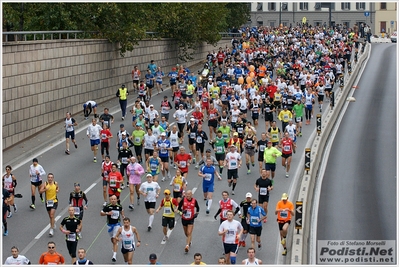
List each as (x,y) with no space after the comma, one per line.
(262,71)
(47,258)
(284,216)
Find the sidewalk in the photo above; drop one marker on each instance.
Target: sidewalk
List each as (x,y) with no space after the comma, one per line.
(47,138)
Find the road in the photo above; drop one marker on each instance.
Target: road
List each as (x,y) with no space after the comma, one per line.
(29,229)
(358,195)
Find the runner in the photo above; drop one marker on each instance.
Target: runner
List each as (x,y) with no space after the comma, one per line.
(183,161)
(298,115)
(200,138)
(6,208)
(181,116)
(126,235)
(270,155)
(210,157)
(164,148)
(166,106)
(36,172)
(309,101)
(291,129)
(263,186)
(269,110)
(51,256)
(179,184)
(154,164)
(231,231)
(114,213)
(251,260)
(192,128)
(106,118)
(82,258)
(233,163)
(114,180)
(226,204)
(274,134)
(105,136)
(255,216)
(284,116)
(176,139)
(250,142)
(93,133)
(122,94)
(10,183)
(260,146)
(198,259)
(150,190)
(134,171)
(124,154)
(245,204)
(255,110)
(237,142)
(157,129)
(16,259)
(50,188)
(106,168)
(88,107)
(73,226)
(76,198)
(219,148)
(159,75)
(213,115)
(284,212)
(136,75)
(208,173)
(69,126)
(138,141)
(226,130)
(189,210)
(150,141)
(320,94)
(288,145)
(168,217)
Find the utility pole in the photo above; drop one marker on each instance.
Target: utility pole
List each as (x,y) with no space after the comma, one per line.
(279,23)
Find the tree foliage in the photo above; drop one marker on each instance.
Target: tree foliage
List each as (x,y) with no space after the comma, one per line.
(127,23)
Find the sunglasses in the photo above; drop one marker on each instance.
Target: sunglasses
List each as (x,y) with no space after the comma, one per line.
(167,194)
(51,247)
(8,169)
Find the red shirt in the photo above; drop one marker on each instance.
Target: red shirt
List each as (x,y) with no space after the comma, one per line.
(198,116)
(114,180)
(182,160)
(205,98)
(271,89)
(213,114)
(225,206)
(106,168)
(287,145)
(220,56)
(104,135)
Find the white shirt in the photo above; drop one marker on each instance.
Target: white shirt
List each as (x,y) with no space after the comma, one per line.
(234,228)
(69,124)
(232,159)
(149,141)
(234,115)
(20,260)
(152,114)
(174,139)
(93,131)
(33,175)
(151,190)
(180,115)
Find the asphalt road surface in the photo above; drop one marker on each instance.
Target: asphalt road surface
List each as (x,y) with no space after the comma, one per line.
(29,229)
(358,197)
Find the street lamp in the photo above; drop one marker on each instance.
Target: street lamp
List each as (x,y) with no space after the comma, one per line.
(279,18)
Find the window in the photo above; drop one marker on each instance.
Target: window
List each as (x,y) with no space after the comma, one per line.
(318,23)
(346,24)
(259,7)
(345,6)
(271,24)
(360,5)
(383,6)
(271,6)
(260,23)
(383,26)
(284,6)
(303,6)
(317,6)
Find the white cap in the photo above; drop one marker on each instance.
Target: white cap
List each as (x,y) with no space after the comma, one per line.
(163,134)
(192,119)
(248,194)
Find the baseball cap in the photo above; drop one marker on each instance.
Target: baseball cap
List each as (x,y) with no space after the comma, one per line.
(148,175)
(181,105)
(269,142)
(284,196)
(167,191)
(208,150)
(165,96)
(122,125)
(192,119)
(35,160)
(248,194)
(235,134)
(76,184)
(153,256)
(163,134)
(123,133)
(151,106)
(285,106)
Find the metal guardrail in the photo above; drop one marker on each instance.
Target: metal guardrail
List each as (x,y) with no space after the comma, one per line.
(58,35)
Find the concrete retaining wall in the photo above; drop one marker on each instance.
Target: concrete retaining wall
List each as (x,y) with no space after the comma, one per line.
(44,79)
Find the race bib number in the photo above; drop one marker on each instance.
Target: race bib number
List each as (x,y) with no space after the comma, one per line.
(263,191)
(240,130)
(298,119)
(124,160)
(285,117)
(50,203)
(192,135)
(262,148)
(103,136)
(249,143)
(183,164)
(76,210)
(287,148)
(211,116)
(168,210)
(224,136)
(283,214)
(165,109)
(112,182)
(187,215)
(233,163)
(163,151)
(154,167)
(267,109)
(115,214)
(71,237)
(177,187)
(208,176)
(254,220)
(219,149)
(127,244)
(137,139)
(199,139)
(230,232)
(93,136)
(274,136)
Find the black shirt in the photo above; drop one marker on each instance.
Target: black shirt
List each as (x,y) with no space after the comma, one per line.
(116,210)
(263,185)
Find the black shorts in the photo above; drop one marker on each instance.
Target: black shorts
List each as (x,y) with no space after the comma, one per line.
(263,198)
(220,157)
(181,126)
(270,167)
(105,182)
(36,183)
(72,246)
(255,116)
(149,86)
(149,205)
(328,89)
(136,82)
(164,159)
(281,224)
(168,222)
(54,207)
(320,98)
(213,123)
(286,156)
(172,83)
(70,135)
(191,141)
(275,143)
(277,104)
(260,156)
(148,151)
(200,147)
(124,251)
(243,111)
(269,116)
(177,194)
(298,119)
(230,248)
(187,222)
(175,149)
(138,150)
(244,224)
(255,230)
(232,174)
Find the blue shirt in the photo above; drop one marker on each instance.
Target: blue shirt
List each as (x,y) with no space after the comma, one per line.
(254,216)
(209,174)
(173,76)
(163,145)
(149,79)
(152,68)
(159,76)
(193,79)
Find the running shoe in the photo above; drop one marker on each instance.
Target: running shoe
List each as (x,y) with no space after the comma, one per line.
(284,252)
(32,206)
(163,179)
(229,184)
(105,204)
(187,248)
(42,199)
(131,206)
(123,118)
(80,235)
(113,259)
(197,166)
(286,175)
(76,145)
(138,201)
(171,182)
(67,152)
(165,238)
(15,208)
(122,186)
(259,246)
(170,177)
(149,228)
(193,160)
(249,172)
(51,233)
(94,160)
(9,214)
(283,241)
(232,192)
(239,243)
(207,211)
(5,233)
(174,166)
(206,202)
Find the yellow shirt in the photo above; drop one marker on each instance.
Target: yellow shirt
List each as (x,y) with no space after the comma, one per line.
(201,263)
(285,116)
(51,193)
(168,208)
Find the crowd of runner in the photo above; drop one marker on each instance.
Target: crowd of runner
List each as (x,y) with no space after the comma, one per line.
(277,77)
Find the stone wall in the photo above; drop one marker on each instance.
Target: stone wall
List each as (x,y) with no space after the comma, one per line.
(44,79)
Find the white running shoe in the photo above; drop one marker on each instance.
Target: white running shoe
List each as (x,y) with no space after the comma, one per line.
(51,233)
(163,179)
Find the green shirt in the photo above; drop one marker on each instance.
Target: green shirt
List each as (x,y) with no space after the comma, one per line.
(219,145)
(190,89)
(298,109)
(138,136)
(225,133)
(268,154)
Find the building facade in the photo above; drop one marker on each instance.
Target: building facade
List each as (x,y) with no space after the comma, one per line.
(315,13)
(386,17)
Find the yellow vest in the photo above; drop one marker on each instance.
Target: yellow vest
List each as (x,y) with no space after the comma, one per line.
(274,134)
(122,93)
(168,209)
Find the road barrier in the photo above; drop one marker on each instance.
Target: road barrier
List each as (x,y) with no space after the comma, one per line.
(300,239)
